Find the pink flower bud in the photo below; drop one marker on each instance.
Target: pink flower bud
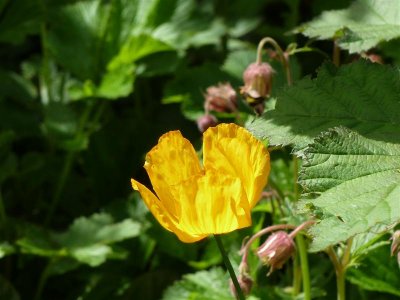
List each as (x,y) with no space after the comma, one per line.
(257,82)
(221,98)
(395,248)
(245,283)
(206,121)
(276,250)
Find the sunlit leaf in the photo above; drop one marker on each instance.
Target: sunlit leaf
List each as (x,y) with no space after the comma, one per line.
(212,284)
(358,28)
(361,96)
(354,182)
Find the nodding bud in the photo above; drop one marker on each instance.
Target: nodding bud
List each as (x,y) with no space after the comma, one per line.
(221,98)
(395,248)
(276,250)
(206,121)
(245,283)
(257,82)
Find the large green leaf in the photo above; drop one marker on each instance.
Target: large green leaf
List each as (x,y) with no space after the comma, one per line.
(99,43)
(88,240)
(362,96)
(360,27)
(212,285)
(351,183)
(378,272)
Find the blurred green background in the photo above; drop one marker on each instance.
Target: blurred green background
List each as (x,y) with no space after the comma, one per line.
(86,89)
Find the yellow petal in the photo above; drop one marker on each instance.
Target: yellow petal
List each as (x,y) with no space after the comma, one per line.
(213,204)
(156,207)
(172,161)
(231,149)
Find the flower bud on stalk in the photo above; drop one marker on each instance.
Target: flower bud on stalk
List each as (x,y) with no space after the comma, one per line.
(245,282)
(206,121)
(221,98)
(395,248)
(276,250)
(257,83)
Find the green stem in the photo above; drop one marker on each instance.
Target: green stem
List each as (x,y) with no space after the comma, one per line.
(68,163)
(341,284)
(301,247)
(3,215)
(228,265)
(46,79)
(296,276)
(296,177)
(42,280)
(340,274)
(60,186)
(279,50)
(336,54)
(347,253)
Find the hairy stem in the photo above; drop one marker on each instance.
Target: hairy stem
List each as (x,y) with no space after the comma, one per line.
(279,50)
(228,265)
(301,247)
(296,276)
(340,271)
(336,54)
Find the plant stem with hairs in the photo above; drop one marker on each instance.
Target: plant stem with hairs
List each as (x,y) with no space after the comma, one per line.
(280,52)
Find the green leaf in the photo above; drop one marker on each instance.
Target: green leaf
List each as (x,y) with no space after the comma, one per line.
(355,182)
(19,19)
(6,249)
(378,272)
(94,41)
(202,285)
(61,125)
(361,96)
(360,27)
(88,240)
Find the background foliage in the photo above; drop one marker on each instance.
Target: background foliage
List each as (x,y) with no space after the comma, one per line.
(88,86)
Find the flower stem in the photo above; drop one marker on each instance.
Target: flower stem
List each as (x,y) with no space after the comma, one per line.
(296,276)
(340,273)
(336,54)
(68,164)
(60,186)
(228,265)
(3,216)
(42,280)
(279,50)
(301,246)
(341,285)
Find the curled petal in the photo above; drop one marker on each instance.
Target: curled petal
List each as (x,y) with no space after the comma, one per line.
(171,161)
(231,149)
(158,210)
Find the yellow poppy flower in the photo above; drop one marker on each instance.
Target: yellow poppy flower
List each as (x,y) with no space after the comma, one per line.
(194,201)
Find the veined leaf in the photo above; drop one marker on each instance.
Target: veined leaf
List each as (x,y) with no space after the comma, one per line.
(356,182)
(362,96)
(212,284)
(358,28)
(378,272)
(88,240)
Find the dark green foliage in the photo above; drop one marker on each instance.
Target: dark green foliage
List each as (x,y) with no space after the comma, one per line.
(88,86)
